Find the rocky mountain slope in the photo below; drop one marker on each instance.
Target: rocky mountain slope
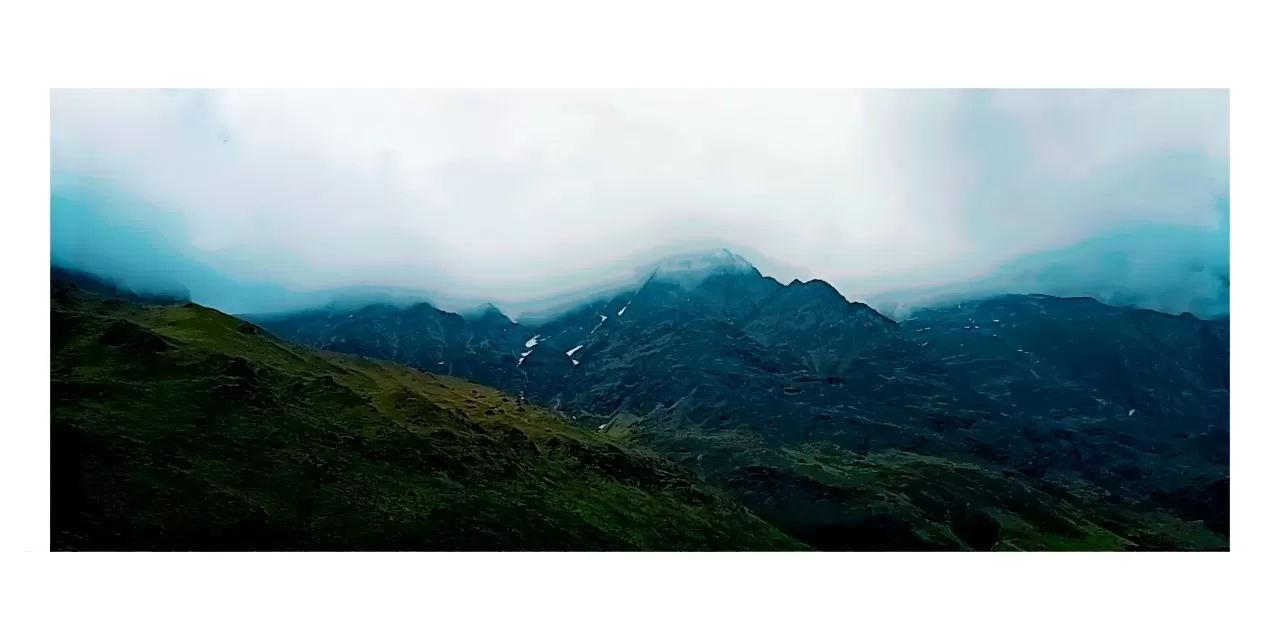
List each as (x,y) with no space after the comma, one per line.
(176,427)
(1016,422)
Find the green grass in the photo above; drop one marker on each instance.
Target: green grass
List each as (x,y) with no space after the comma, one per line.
(181,428)
(836,499)
(985,509)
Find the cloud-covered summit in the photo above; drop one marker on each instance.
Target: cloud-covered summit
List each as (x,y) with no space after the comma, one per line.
(257,199)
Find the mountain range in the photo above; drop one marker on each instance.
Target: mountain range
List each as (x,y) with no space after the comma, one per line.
(1008,422)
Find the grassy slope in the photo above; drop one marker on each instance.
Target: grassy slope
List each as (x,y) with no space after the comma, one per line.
(178,427)
(836,499)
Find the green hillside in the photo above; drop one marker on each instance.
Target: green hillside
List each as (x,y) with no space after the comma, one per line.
(840,500)
(181,428)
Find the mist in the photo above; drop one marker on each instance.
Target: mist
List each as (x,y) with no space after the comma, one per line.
(1169,268)
(266,201)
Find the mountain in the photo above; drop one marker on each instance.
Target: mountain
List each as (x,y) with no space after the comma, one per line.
(1014,422)
(155,294)
(1166,267)
(176,427)
(690,269)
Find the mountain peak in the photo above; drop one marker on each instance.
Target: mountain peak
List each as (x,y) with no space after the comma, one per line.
(487,312)
(692,268)
(817,287)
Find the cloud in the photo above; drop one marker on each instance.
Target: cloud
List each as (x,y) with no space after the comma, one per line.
(1166,267)
(513,196)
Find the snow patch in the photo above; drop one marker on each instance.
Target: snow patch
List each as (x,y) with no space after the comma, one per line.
(526,353)
(575,362)
(603,318)
(533,341)
(624,309)
(1131,411)
(925,344)
(572,351)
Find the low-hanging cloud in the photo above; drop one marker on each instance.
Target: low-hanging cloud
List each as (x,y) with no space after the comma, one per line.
(517,196)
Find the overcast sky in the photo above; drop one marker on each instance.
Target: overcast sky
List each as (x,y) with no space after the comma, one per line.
(507,195)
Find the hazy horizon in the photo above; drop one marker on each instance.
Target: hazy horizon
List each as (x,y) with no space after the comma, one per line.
(255,200)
